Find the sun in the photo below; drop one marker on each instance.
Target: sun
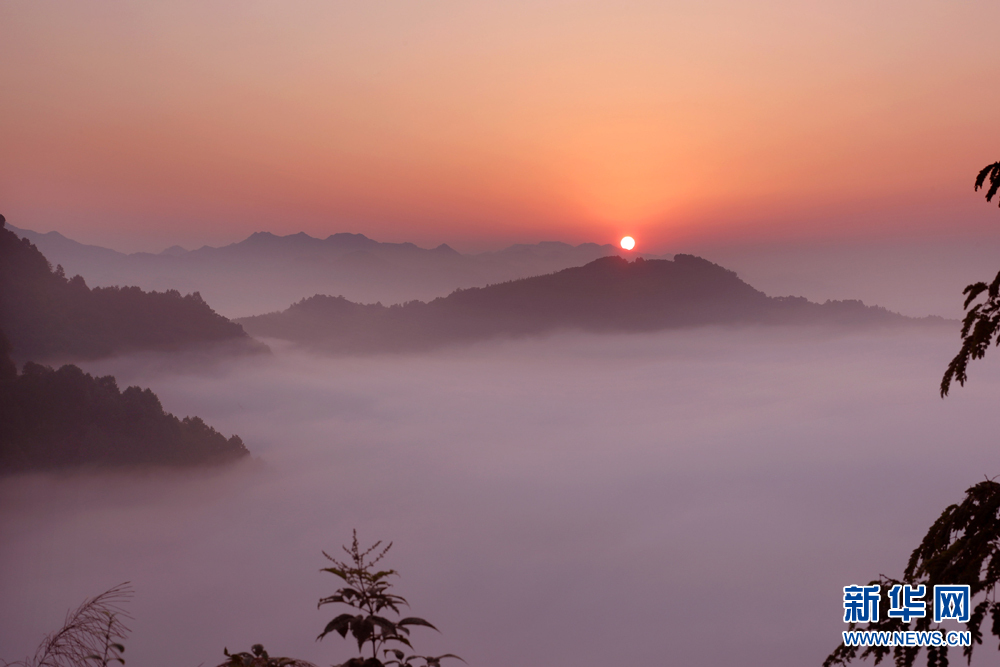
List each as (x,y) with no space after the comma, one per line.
(628,242)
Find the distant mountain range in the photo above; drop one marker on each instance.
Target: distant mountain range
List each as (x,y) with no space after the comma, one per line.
(609,294)
(265,272)
(49,316)
(66,418)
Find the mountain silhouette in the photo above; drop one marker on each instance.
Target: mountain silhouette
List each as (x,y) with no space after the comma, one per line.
(609,294)
(265,271)
(46,315)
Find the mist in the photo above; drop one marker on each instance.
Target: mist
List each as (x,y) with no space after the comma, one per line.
(690,497)
(917,277)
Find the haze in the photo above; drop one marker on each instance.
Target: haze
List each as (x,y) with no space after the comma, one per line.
(694,498)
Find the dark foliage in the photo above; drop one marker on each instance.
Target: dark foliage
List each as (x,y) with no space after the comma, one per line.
(980,328)
(51,419)
(258,657)
(992,172)
(367,592)
(47,315)
(962,547)
(981,325)
(607,295)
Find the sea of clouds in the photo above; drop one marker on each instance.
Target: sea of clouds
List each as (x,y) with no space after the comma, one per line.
(685,498)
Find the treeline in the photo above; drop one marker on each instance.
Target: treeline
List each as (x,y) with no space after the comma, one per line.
(47,315)
(65,418)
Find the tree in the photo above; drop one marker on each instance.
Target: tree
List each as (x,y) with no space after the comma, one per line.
(981,325)
(368,592)
(961,548)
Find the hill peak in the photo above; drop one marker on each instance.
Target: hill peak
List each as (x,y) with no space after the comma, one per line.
(610,294)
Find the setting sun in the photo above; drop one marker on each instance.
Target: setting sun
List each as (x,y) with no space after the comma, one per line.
(628,242)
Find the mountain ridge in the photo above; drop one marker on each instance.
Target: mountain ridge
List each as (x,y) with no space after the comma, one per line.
(46,315)
(265,271)
(607,295)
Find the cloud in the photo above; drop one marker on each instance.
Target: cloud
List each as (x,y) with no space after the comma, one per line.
(693,498)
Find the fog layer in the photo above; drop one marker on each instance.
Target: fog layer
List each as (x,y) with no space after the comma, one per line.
(692,498)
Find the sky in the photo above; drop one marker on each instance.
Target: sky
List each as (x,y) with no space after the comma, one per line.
(141,125)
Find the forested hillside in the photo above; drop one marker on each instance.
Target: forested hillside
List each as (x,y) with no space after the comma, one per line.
(65,418)
(46,315)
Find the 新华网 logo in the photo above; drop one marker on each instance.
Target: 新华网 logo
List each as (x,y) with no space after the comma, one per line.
(906,602)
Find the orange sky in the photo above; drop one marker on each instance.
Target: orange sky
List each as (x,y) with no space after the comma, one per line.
(481,124)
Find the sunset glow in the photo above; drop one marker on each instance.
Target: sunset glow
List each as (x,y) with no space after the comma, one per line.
(481,125)
(628,243)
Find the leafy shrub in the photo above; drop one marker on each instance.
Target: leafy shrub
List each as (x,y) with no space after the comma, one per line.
(368,592)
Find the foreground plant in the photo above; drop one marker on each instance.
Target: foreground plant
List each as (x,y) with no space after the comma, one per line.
(961,548)
(368,592)
(258,657)
(91,635)
(981,326)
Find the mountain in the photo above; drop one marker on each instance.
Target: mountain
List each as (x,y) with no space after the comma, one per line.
(265,272)
(46,315)
(59,419)
(609,294)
